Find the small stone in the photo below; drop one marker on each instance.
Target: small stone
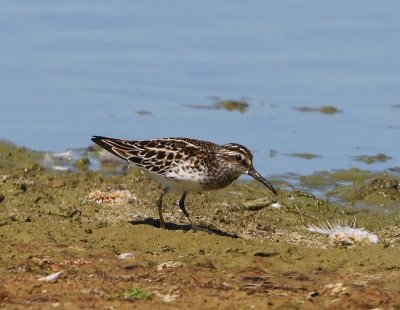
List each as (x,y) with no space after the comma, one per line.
(257,204)
(265,254)
(312,295)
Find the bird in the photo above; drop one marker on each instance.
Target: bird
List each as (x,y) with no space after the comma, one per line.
(183,165)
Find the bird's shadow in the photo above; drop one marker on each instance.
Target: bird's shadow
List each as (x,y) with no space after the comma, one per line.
(185,227)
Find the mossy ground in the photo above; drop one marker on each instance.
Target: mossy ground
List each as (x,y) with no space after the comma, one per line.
(258,257)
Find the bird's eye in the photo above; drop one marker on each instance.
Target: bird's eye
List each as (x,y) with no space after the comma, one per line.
(238,158)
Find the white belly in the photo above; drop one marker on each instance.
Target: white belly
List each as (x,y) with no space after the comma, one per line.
(177,185)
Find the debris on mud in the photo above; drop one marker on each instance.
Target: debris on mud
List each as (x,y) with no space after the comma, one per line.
(344,235)
(111,197)
(169,265)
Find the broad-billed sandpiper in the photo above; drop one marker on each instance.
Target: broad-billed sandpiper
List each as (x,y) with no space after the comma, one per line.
(185,165)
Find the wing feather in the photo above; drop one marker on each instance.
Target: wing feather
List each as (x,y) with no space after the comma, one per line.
(161,156)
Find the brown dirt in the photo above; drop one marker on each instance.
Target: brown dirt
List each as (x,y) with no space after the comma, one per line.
(259,257)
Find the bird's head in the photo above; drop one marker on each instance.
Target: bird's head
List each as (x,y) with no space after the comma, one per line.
(240,160)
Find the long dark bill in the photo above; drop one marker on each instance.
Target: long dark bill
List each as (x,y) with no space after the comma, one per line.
(263,181)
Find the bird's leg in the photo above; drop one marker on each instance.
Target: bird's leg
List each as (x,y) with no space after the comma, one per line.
(182,207)
(159,205)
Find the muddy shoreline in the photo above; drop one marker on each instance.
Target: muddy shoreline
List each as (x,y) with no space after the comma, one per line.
(260,256)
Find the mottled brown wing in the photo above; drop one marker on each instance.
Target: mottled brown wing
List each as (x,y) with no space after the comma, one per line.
(158,156)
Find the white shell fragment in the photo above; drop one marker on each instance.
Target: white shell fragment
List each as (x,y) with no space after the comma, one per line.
(51,278)
(125,255)
(276,205)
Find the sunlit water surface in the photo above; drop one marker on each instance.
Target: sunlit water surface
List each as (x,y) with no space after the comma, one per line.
(134,69)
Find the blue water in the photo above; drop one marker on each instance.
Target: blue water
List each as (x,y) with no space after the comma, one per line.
(75,68)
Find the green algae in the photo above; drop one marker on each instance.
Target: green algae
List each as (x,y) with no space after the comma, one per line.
(12,156)
(328,110)
(232,105)
(303,155)
(228,105)
(82,163)
(136,293)
(380,192)
(371,159)
(374,191)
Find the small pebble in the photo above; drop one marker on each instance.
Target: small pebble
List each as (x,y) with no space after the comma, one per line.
(312,295)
